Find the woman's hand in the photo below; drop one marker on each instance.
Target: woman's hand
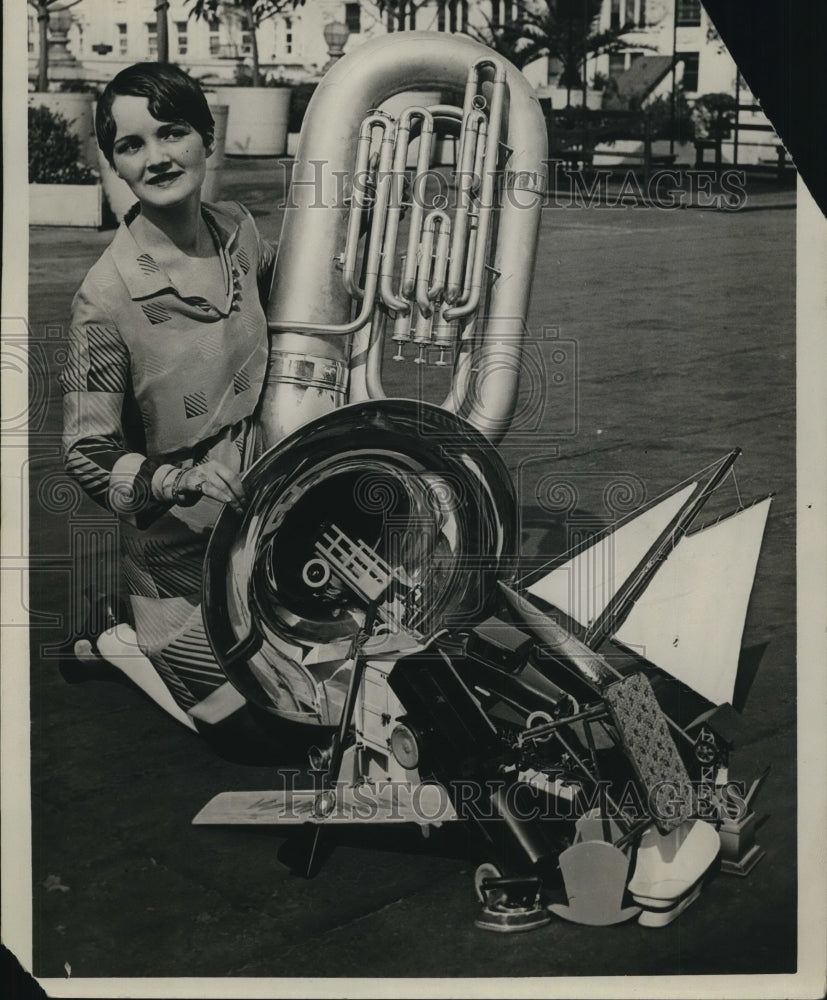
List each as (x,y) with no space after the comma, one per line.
(209,479)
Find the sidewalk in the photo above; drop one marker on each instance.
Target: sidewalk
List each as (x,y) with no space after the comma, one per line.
(677,334)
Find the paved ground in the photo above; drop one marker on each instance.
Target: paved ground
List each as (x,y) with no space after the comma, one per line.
(675,341)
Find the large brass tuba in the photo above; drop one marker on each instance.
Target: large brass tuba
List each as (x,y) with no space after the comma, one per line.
(387,520)
(458,285)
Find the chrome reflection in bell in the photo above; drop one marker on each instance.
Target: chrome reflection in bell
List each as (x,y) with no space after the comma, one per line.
(395,506)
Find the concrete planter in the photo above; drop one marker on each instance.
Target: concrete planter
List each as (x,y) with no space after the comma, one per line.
(257,122)
(65,205)
(78,110)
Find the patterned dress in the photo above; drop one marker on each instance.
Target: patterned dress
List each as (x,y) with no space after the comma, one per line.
(152,380)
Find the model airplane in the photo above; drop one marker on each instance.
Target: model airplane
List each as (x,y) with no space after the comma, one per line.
(461,692)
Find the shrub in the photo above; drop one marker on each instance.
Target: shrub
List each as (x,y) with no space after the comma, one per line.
(80,87)
(271,80)
(714,115)
(600,81)
(54,151)
(243,75)
(660,113)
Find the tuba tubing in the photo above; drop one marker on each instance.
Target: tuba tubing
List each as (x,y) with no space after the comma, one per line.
(316,364)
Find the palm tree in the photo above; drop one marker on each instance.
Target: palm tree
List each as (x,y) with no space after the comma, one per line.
(252,14)
(565,30)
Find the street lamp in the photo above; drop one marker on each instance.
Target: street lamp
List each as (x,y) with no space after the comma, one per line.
(336,35)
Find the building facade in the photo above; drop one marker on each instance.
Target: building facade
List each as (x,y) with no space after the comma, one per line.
(665,27)
(101,37)
(106,35)
(703,65)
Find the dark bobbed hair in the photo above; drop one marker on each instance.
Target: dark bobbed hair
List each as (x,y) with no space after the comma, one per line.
(172,94)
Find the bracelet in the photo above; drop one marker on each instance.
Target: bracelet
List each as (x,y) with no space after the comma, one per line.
(178,495)
(185,498)
(163,491)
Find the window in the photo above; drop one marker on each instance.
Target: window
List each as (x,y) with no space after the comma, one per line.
(617,63)
(688,13)
(288,36)
(353,18)
(152,39)
(246,43)
(215,44)
(622,13)
(181,31)
(123,40)
(502,12)
(31,33)
(690,70)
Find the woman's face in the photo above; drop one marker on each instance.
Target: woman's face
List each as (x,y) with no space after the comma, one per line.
(164,163)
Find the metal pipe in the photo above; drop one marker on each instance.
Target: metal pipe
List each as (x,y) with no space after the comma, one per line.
(432,265)
(358,200)
(391,300)
(486,198)
(373,363)
(477,125)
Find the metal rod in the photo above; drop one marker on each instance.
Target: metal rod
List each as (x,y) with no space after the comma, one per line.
(633,832)
(621,603)
(674,77)
(593,714)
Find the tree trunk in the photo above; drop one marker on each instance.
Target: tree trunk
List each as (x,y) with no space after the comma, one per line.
(43,57)
(251,27)
(161,8)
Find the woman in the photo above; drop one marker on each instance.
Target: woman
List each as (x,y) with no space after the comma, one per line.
(168,348)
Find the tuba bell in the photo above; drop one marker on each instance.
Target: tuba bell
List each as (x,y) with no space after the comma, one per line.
(367,507)
(390,510)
